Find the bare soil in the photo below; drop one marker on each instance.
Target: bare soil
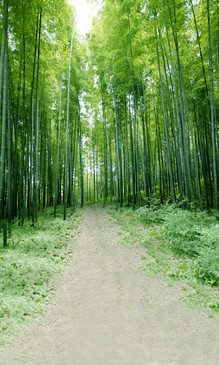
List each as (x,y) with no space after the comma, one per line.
(107,311)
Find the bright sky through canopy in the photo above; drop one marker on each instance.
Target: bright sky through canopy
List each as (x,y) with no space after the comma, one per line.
(84,13)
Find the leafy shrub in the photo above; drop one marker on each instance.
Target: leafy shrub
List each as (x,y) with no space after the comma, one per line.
(148,215)
(206,267)
(193,234)
(182,231)
(153,212)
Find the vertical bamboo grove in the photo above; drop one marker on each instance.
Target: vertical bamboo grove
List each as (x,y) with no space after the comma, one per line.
(172,154)
(154,125)
(35,162)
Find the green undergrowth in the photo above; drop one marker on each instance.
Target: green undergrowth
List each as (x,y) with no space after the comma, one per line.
(33,255)
(181,244)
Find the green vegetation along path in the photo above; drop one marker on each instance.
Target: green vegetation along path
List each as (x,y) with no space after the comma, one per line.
(106,310)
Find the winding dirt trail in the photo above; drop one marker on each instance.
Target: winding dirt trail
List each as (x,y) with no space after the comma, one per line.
(106,311)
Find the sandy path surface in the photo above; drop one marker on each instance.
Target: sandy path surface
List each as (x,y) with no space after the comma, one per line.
(106,311)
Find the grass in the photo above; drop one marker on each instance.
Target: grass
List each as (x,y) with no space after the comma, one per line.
(33,255)
(183,245)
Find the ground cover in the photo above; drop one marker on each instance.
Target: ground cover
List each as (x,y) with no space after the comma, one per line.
(33,255)
(181,244)
(106,310)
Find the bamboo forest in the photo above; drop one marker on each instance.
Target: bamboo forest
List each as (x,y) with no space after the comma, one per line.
(122,120)
(127,114)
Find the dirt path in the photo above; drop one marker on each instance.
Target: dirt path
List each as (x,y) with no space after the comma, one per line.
(106,311)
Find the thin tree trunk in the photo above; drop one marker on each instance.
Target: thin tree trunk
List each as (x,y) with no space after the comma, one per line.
(58,143)
(81,162)
(4,118)
(166,128)
(9,153)
(37,120)
(3,47)
(214,158)
(67,124)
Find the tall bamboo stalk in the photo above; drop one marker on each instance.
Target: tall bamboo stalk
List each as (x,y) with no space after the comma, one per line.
(67,123)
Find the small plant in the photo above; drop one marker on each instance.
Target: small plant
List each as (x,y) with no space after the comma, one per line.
(182,244)
(26,265)
(153,212)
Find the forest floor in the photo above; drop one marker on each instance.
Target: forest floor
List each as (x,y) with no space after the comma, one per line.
(107,310)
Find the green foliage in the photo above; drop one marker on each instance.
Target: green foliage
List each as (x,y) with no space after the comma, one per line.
(26,266)
(206,266)
(181,244)
(193,234)
(152,212)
